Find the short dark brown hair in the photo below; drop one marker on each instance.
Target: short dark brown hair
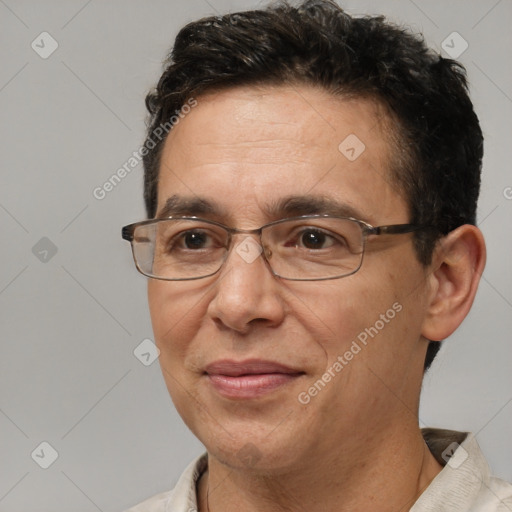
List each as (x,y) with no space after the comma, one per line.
(437,136)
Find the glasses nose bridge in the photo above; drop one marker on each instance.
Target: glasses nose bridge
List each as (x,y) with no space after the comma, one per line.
(238,231)
(255,232)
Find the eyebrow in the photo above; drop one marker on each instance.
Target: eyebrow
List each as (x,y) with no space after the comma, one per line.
(288,206)
(312,205)
(189,207)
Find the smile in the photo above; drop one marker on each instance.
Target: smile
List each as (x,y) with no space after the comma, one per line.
(249,379)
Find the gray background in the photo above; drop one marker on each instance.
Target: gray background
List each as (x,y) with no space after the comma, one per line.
(70,323)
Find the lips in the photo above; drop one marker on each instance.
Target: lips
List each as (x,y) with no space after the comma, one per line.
(249,379)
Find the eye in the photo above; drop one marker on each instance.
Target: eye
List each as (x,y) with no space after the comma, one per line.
(312,238)
(193,240)
(184,238)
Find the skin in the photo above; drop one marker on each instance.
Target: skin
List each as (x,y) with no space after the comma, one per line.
(356,445)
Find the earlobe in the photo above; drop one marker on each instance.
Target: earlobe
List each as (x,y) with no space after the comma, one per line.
(458,263)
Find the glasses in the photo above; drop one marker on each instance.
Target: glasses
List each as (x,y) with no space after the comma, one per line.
(305,248)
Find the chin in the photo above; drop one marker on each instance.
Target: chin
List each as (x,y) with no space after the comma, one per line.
(258,456)
(251,445)
(259,435)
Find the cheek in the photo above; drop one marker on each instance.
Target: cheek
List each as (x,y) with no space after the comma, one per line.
(367,326)
(176,315)
(340,310)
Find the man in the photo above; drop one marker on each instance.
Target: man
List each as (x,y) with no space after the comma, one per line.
(311,183)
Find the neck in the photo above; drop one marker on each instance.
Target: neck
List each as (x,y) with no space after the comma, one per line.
(390,476)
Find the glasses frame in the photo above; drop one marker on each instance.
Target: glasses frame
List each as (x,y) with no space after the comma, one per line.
(367,230)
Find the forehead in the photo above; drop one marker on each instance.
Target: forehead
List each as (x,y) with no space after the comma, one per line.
(248,147)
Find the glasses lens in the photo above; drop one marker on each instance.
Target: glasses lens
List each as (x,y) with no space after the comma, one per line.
(314,248)
(176,249)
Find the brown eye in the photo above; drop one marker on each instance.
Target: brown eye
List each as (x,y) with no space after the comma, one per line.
(313,239)
(194,239)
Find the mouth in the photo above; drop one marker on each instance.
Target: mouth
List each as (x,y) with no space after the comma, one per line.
(249,379)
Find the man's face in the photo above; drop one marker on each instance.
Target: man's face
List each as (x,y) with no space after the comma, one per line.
(243,150)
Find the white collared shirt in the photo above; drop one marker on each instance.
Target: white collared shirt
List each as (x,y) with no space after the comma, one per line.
(463,485)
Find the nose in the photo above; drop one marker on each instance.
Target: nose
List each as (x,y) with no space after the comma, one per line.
(246,291)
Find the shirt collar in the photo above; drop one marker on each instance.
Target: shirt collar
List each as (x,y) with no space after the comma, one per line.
(463,476)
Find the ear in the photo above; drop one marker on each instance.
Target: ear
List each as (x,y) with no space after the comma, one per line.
(457,264)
